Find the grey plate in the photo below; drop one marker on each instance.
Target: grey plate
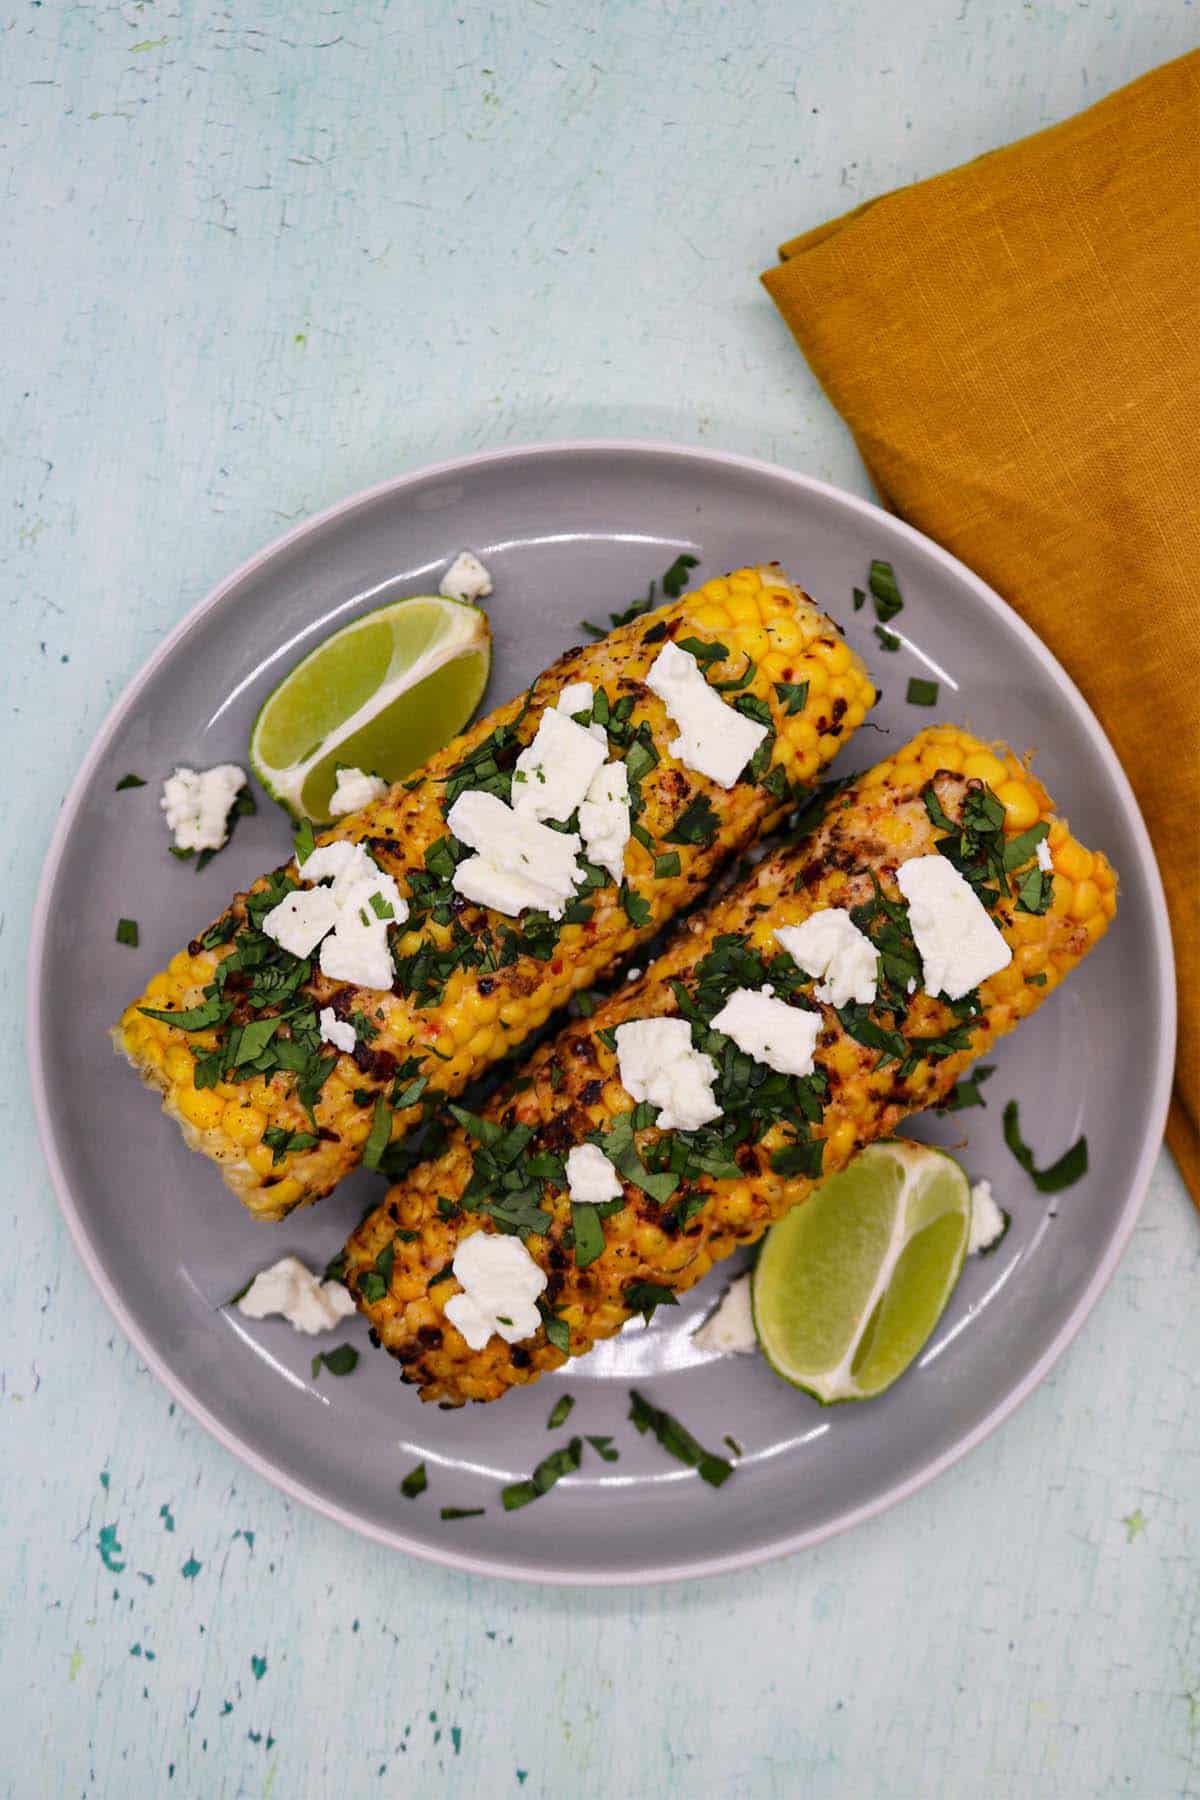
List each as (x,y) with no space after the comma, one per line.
(571,531)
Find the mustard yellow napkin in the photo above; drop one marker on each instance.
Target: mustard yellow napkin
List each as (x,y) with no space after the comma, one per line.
(1016,347)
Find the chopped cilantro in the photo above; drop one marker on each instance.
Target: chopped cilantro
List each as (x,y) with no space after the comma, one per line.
(1038,980)
(677,1441)
(603,1448)
(673,582)
(704,653)
(646,1296)
(887,639)
(193,1018)
(1061,1174)
(966,1093)
(793,696)
(666,865)
(128,781)
(921,692)
(305,842)
(379,1136)
(696,824)
(619,1145)
(443,1274)
(860,598)
(637,908)
(551,1469)
(733,1445)
(342,1361)
(558,1332)
(1035,891)
(127,932)
(560,1412)
(462,1512)
(415,1482)
(281,1142)
(886,594)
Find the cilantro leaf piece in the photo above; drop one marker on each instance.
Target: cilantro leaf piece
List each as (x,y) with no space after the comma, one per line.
(887,639)
(280,1142)
(1018,850)
(804,1157)
(415,1482)
(1035,891)
(793,696)
(966,1093)
(380,1134)
(857,1021)
(550,1470)
(677,1440)
(666,865)
(193,1018)
(676,578)
(305,842)
(603,1448)
(342,1361)
(860,598)
(1062,1174)
(558,1332)
(637,908)
(740,680)
(560,1411)
(128,781)
(127,933)
(696,824)
(646,1296)
(703,651)
(884,591)
(589,1233)
(444,1274)
(921,692)
(619,1145)
(462,1512)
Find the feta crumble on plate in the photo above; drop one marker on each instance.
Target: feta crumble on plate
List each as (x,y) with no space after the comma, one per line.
(290,1291)
(989,1222)
(197,804)
(466,579)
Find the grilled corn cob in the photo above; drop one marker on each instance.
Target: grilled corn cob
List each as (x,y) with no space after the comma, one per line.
(873,1067)
(471,985)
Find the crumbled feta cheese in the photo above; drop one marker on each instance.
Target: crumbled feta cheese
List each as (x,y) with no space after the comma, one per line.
(989,1222)
(730,1329)
(555,771)
(355,790)
(501,1283)
(466,579)
(591,1178)
(302,919)
(576,697)
(659,1063)
(338,1032)
(1045,860)
(958,943)
(829,944)
(196,803)
(604,819)
(714,738)
(770,1030)
(520,863)
(349,919)
(293,1292)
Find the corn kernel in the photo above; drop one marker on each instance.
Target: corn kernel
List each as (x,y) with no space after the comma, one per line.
(201,1107)
(1020,805)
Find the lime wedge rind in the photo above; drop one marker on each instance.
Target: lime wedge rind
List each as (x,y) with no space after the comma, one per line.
(898,1288)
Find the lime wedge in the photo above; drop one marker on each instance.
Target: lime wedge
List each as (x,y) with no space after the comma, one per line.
(382,694)
(850,1285)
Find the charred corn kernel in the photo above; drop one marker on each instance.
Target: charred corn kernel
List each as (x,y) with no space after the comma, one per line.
(879,822)
(201,1107)
(481,1014)
(985,767)
(244,1124)
(1020,805)
(261,1158)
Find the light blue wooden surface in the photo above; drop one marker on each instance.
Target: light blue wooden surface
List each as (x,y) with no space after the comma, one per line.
(255,258)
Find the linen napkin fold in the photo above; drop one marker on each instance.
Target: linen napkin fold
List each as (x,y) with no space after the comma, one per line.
(1015,346)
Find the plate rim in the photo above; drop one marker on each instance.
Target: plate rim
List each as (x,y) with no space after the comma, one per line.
(462,1560)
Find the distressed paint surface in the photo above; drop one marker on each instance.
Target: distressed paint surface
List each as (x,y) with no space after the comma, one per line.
(256,258)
